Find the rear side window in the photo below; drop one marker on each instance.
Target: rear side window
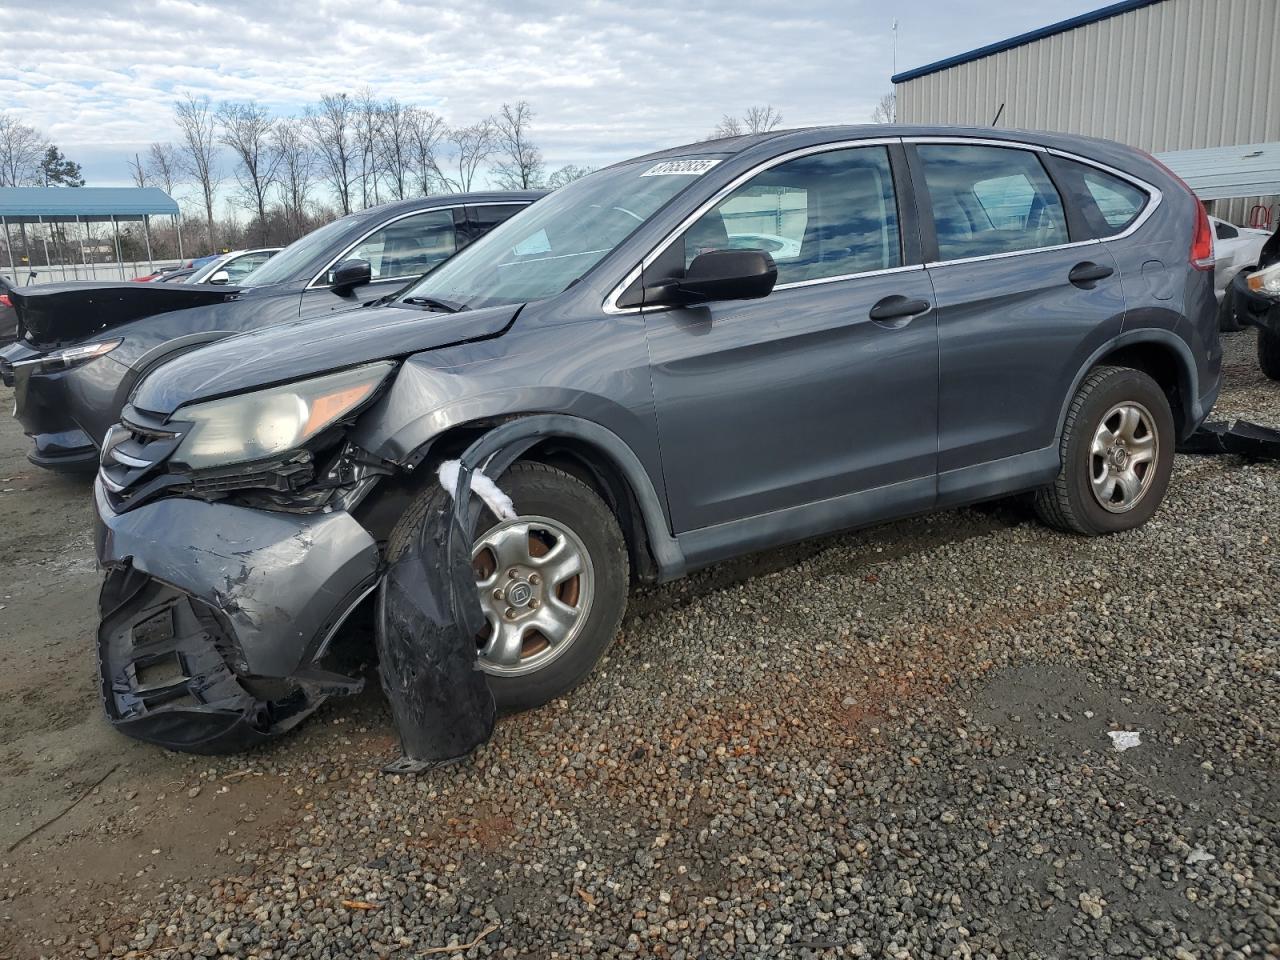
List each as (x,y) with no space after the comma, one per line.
(828,215)
(1225,231)
(1108,203)
(990,200)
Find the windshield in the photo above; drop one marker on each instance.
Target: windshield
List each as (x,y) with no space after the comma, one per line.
(545,248)
(285,264)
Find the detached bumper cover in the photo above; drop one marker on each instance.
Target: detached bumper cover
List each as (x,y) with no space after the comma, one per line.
(213,617)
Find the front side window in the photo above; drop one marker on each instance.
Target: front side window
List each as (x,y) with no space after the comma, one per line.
(408,247)
(822,216)
(990,200)
(551,244)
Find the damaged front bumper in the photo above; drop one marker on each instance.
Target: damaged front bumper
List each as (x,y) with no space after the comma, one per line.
(211,632)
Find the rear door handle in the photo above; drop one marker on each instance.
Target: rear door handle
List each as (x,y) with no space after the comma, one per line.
(899,308)
(1088,273)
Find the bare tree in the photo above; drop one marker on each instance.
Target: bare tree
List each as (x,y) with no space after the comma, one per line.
(886,110)
(426,131)
(368,120)
(296,170)
(472,146)
(567,174)
(162,166)
(758,119)
(22,147)
(198,151)
(138,171)
(248,131)
(761,119)
(729,126)
(520,163)
(395,147)
(331,132)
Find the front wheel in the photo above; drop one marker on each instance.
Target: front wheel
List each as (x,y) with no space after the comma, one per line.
(552,582)
(1269,353)
(1117,455)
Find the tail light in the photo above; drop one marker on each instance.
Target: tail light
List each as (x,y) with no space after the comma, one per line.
(1202,242)
(1201,255)
(5,301)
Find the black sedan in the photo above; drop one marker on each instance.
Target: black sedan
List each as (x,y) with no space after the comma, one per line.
(81,347)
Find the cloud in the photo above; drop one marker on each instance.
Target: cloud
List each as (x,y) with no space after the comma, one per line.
(606,79)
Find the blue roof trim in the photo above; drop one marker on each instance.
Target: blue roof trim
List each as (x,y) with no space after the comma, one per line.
(1062,26)
(85,202)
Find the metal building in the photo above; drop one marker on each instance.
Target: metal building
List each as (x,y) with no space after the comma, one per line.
(1163,75)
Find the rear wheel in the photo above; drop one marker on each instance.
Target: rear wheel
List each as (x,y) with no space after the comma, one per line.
(1269,353)
(1117,455)
(552,582)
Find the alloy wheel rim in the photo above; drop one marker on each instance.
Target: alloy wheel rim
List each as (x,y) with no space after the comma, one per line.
(536,584)
(1122,457)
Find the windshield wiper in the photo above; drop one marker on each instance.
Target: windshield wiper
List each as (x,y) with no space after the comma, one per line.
(431,303)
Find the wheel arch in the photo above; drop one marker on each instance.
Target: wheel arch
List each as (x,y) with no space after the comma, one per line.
(585,449)
(1161,355)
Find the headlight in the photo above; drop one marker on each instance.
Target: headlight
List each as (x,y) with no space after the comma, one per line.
(74,356)
(267,422)
(1266,281)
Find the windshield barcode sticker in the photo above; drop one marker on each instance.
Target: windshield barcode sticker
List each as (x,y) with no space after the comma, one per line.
(682,168)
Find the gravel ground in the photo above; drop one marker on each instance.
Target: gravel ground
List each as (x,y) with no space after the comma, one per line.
(892,744)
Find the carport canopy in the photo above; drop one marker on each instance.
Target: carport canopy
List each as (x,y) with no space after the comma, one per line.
(69,204)
(1225,173)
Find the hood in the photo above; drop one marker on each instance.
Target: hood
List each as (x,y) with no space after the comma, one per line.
(306,348)
(59,314)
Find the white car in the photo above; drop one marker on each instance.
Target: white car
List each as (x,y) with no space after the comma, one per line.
(1234,249)
(233,267)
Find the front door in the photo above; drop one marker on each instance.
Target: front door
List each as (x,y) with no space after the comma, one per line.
(828,386)
(398,252)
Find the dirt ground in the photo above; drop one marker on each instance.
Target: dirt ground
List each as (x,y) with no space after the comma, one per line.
(157,821)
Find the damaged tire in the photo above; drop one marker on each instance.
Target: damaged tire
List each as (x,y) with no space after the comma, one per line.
(1269,353)
(552,582)
(1117,455)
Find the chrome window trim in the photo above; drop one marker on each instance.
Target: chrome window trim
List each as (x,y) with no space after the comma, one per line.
(316,285)
(610,305)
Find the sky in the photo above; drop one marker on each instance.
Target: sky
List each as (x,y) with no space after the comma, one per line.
(606,80)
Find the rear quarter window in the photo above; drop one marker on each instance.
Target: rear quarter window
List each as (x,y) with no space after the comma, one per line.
(1109,204)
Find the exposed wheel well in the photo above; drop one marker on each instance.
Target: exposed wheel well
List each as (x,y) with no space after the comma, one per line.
(1163,365)
(579,459)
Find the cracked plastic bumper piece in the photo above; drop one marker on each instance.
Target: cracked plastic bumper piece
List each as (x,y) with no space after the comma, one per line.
(214,617)
(1247,439)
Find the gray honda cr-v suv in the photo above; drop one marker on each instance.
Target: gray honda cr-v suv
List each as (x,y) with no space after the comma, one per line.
(728,346)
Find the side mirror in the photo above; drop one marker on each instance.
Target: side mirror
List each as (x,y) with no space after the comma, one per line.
(720,275)
(350,274)
(219,276)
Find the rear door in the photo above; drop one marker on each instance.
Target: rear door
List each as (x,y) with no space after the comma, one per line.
(801,396)
(1024,295)
(398,251)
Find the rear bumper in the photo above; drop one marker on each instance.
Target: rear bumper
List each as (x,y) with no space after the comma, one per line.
(214,617)
(67,412)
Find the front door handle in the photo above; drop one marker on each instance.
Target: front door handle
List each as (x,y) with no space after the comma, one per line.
(1087,274)
(898,308)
